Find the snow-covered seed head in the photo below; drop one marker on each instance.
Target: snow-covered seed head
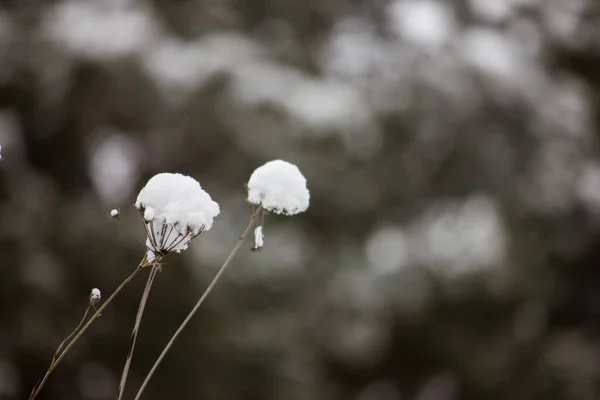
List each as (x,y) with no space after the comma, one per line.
(259,239)
(114,213)
(279,187)
(175,210)
(95,296)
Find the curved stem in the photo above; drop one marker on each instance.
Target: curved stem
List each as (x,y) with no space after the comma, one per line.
(71,334)
(56,353)
(136,329)
(83,329)
(199,303)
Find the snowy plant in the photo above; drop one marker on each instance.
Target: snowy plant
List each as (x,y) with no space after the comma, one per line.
(95,296)
(175,210)
(279,187)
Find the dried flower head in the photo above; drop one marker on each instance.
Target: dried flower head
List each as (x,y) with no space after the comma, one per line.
(279,187)
(175,210)
(95,296)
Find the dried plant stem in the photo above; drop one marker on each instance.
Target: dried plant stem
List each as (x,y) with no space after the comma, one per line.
(237,247)
(134,333)
(56,353)
(54,363)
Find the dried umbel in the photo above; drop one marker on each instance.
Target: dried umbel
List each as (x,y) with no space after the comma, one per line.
(175,210)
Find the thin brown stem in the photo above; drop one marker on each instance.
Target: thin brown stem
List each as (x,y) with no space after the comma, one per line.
(56,353)
(54,364)
(166,236)
(155,244)
(129,231)
(148,232)
(178,241)
(163,232)
(135,332)
(237,247)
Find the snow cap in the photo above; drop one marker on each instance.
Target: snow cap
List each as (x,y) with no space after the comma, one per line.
(175,210)
(114,213)
(95,296)
(279,187)
(259,239)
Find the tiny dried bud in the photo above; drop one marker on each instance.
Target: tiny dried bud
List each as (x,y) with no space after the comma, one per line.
(114,213)
(259,239)
(95,296)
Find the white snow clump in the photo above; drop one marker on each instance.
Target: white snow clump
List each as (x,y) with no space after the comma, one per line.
(175,210)
(95,296)
(259,239)
(114,213)
(280,187)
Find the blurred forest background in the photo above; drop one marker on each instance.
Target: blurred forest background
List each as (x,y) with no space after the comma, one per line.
(451,250)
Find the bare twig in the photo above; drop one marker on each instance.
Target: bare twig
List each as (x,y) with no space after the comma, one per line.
(255,215)
(57,352)
(71,334)
(134,333)
(54,363)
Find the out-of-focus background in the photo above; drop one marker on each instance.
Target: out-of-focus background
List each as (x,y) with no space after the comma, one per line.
(451,249)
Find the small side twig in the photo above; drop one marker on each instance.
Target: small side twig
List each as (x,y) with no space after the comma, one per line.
(135,332)
(57,352)
(55,363)
(71,334)
(237,247)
